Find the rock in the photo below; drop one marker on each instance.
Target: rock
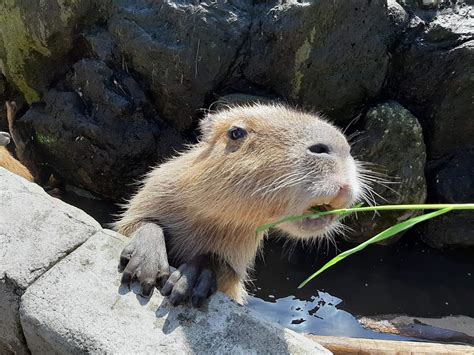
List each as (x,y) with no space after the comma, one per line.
(90,315)
(392,141)
(3,115)
(430,76)
(324,55)
(451,181)
(36,39)
(52,302)
(3,85)
(181,50)
(36,231)
(101,45)
(98,130)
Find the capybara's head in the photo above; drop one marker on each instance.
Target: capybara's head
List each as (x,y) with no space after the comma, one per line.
(260,163)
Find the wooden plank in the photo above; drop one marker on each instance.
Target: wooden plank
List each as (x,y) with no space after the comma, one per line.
(343,346)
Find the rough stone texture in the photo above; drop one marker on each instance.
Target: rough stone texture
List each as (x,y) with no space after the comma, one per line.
(98,129)
(181,49)
(72,303)
(36,36)
(36,231)
(401,160)
(451,181)
(311,53)
(432,78)
(77,308)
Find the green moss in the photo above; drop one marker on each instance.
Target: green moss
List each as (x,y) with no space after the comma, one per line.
(44,139)
(19,45)
(301,56)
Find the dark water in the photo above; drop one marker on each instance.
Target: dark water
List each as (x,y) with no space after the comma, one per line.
(405,278)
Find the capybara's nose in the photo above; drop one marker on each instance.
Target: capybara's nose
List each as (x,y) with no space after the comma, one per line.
(343,198)
(319,148)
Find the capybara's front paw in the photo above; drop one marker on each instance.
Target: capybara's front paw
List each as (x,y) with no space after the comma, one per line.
(195,280)
(140,261)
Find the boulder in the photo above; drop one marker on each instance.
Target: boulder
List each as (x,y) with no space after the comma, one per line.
(36,231)
(430,76)
(182,50)
(392,141)
(36,39)
(98,130)
(78,307)
(324,55)
(451,181)
(58,296)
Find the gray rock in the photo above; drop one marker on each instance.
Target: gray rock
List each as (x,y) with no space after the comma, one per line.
(181,49)
(325,55)
(392,141)
(77,308)
(431,77)
(101,45)
(451,181)
(98,130)
(36,231)
(37,36)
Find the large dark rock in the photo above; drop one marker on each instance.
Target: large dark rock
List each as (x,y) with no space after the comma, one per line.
(451,181)
(392,141)
(98,130)
(330,56)
(3,97)
(432,75)
(181,49)
(38,37)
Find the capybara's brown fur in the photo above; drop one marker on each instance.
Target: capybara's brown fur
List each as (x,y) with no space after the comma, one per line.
(13,165)
(253,165)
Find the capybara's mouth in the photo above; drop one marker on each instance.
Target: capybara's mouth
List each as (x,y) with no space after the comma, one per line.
(319,223)
(320,208)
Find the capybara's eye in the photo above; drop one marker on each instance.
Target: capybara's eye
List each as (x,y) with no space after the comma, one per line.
(236,133)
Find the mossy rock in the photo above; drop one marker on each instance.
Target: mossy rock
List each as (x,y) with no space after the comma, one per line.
(36,39)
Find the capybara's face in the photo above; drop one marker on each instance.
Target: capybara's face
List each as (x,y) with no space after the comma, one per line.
(270,161)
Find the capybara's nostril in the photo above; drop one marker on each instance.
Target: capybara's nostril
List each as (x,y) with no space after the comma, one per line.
(319,149)
(344,197)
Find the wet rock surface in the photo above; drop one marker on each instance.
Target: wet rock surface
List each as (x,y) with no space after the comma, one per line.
(118,86)
(396,166)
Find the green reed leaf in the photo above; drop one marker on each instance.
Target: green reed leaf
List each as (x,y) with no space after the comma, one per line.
(389,232)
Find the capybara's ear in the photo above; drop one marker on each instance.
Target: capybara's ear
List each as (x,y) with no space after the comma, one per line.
(4,138)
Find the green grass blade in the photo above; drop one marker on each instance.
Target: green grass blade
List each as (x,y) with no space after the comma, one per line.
(345,211)
(389,232)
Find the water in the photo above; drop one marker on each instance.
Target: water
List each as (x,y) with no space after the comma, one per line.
(405,278)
